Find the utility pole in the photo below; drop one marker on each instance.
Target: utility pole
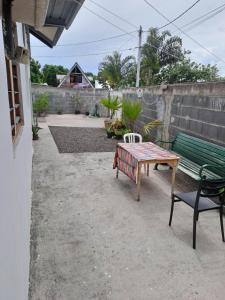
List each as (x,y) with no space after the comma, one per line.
(139,57)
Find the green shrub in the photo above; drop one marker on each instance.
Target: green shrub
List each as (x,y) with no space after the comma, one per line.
(112,104)
(131,111)
(41,104)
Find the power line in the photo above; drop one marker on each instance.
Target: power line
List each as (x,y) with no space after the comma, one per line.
(126,42)
(178,17)
(199,20)
(205,17)
(101,17)
(88,42)
(210,14)
(107,51)
(115,15)
(89,54)
(195,41)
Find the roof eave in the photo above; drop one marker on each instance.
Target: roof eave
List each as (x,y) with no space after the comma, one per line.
(43,38)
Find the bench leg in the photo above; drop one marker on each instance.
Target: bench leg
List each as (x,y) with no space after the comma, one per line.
(221,223)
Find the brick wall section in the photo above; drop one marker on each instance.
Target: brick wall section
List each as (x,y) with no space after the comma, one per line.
(61,99)
(197,109)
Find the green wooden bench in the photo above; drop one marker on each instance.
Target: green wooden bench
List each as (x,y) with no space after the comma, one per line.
(198,158)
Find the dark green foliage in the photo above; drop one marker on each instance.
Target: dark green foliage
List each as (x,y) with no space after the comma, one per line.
(35,71)
(187,71)
(50,72)
(41,104)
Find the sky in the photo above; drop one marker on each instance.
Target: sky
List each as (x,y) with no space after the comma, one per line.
(88,27)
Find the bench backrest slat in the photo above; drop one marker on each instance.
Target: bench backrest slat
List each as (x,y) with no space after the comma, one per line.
(199,151)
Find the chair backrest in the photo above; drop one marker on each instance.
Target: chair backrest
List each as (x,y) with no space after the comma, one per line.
(200,151)
(212,188)
(132,138)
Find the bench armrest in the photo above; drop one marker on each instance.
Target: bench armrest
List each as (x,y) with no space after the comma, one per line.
(166,142)
(206,166)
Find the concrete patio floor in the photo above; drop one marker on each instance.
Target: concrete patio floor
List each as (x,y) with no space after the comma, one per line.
(90,239)
(69,120)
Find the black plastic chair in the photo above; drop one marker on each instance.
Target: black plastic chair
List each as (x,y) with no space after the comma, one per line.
(202,199)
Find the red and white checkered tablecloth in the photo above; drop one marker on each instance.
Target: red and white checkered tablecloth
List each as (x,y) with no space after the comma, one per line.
(128,155)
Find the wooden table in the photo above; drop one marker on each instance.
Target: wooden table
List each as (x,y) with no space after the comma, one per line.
(129,158)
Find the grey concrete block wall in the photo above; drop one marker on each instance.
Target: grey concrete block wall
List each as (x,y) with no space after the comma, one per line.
(197,109)
(61,99)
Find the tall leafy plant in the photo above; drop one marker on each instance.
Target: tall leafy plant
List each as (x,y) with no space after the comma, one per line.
(41,104)
(112,104)
(131,111)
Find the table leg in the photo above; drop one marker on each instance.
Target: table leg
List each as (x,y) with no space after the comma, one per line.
(147,169)
(174,166)
(117,172)
(138,181)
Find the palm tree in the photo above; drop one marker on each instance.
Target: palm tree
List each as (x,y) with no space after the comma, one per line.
(160,49)
(114,70)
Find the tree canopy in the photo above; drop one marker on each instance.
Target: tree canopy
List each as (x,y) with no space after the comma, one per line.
(50,72)
(46,74)
(35,72)
(163,59)
(115,70)
(187,71)
(160,49)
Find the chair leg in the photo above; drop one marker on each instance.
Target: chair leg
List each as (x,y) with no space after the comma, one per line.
(197,216)
(194,229)
(156,167)
(171,210)
(221,223)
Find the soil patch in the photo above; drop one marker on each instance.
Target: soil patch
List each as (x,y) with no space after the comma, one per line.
(80,139)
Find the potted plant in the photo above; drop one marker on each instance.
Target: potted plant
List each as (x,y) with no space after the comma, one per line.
(41,104)
(113,105)
(110,132)
(115,127)
(35,128)
(119,134)
(130,112)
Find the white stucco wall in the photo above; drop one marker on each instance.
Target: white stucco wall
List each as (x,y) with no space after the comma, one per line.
(15,188)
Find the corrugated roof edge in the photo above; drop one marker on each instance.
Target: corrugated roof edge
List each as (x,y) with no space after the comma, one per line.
(51,43)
